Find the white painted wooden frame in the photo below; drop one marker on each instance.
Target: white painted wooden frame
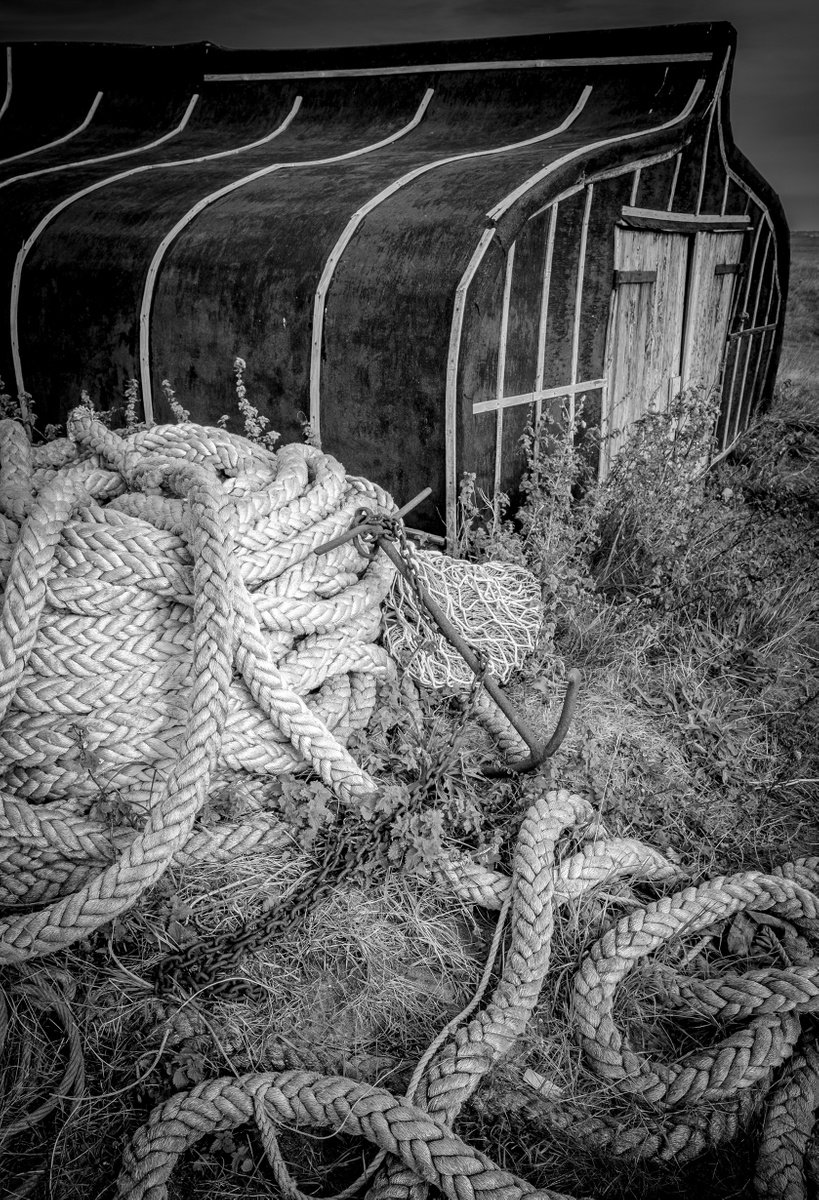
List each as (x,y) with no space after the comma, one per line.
(578,302)
(674,178)
(500,377)
(705,146)
(537,396)
(96,187)
(86,121)
(360,215)
(87,162)
(7,92)
(665,219)
(540,370)
(494,214)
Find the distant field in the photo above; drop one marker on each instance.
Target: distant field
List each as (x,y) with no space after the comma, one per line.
(800,353)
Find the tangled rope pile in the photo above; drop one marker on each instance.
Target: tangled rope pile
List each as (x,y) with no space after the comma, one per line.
(126,613)
(675,1110)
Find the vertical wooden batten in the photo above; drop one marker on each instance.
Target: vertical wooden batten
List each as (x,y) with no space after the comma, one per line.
(451,401)
(674,178)
(500,378)
(578,301)
(704,163)
(544,310)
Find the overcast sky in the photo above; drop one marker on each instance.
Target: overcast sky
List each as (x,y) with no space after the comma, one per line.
(775,96)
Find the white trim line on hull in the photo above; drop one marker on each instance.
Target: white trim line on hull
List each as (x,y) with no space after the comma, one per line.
(87,162)
(95,187)
(95,103)
(624,60)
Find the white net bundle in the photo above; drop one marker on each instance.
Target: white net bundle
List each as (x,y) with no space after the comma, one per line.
(496,606)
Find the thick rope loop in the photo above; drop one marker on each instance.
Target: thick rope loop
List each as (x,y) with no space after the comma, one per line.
(790,1118)
(742,1059)
(423,1143)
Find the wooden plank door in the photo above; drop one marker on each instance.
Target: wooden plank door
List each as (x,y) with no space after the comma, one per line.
(715,270)
(644,345)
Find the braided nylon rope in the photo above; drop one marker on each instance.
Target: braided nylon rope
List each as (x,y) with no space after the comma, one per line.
(164,616)
(456,1070)
(740,1060)
(789,1122)
(678,1110)
(422,1142)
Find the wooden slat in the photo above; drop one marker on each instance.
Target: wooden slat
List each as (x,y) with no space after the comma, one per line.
(87,191)
(621,277)
(504,333)
(578,296)
(704,163)
(536,397)
(710,303)
(85,162)
(724,204)
(60,140)
(729,269)
(359,216)
(626,60)
(451,401)
(635,187)
(544,311)
(676,222)
(673,190)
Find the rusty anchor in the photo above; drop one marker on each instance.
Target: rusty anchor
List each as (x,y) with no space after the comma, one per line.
(371,533)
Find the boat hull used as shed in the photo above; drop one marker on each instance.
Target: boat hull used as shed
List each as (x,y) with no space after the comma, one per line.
(416,249)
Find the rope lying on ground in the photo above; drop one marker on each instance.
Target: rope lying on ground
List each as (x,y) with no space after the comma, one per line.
(422,1144)
(675,1111)
(100,585)
(47,850)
